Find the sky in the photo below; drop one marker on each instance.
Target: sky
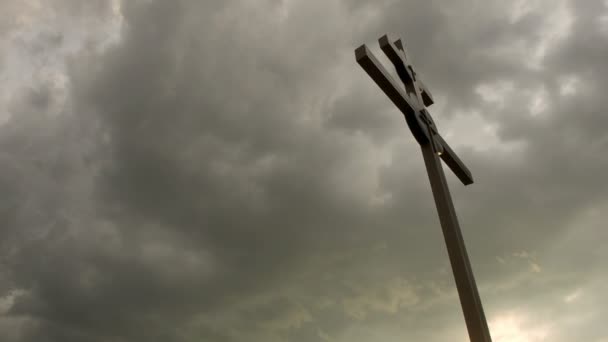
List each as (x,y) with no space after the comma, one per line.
(225,171)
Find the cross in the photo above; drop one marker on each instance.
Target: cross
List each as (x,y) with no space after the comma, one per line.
(413,102)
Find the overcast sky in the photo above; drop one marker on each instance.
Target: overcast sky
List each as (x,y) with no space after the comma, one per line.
(225,171)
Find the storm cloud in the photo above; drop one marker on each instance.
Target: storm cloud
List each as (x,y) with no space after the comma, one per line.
(225,171)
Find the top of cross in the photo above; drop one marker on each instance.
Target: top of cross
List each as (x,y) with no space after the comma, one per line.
(412,102)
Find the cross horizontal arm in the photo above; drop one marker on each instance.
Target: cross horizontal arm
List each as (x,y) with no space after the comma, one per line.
(384,80)
(454,163)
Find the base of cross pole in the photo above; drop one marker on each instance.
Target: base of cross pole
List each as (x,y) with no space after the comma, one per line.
(465,282)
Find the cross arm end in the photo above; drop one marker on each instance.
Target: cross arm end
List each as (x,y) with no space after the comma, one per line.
(361,53)
(371,65)
(454,163)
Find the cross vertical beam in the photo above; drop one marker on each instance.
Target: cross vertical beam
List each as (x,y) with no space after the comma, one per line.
(461,267)
(412,102)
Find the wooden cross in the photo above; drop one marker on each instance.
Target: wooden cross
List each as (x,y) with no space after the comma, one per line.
(413,102)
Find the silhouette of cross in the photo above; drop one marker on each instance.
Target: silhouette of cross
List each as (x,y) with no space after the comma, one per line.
(413,102)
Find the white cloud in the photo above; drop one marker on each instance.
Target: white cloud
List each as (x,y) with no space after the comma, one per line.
(38,45)
(539,102)
(569,85)
(558,26)
(463,129)
(6,302)
(573,296)
(495,92)
(387,298)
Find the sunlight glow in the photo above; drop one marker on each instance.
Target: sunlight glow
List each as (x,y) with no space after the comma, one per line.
(516,327)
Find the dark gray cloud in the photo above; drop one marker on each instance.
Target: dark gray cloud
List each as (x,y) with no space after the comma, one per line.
(227,172)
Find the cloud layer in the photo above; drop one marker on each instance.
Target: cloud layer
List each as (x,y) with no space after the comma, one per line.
(187,171)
